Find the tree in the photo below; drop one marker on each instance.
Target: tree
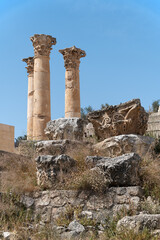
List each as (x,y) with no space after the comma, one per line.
(85,111)
(19,139)
(104,105)
(155,105)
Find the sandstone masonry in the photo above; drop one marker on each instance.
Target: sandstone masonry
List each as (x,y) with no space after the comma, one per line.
(6,138)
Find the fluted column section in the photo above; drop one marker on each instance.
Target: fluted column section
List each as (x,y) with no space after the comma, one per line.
(72,86)
(42,111)
(30,71)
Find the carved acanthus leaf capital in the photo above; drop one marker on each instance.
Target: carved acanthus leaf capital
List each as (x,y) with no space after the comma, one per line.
(42,44)
(72,56)
(30,64)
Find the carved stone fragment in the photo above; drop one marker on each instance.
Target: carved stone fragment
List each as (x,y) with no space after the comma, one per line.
(126,118)
(118,145)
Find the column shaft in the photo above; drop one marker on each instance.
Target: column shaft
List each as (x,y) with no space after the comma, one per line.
(72,93)
(30,106)
(72,86)
(42,108)
(30,102)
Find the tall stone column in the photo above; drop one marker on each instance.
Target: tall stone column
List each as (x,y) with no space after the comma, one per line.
(72,86)
(30,71)
(42,113)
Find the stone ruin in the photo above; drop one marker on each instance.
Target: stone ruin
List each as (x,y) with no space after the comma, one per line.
(114,133)
(154,124)
(126,118)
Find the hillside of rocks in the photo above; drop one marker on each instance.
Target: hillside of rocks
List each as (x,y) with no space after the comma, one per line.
(92,179)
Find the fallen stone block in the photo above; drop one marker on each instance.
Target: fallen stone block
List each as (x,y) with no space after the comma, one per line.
(121,171)
(58,147)
(118,145)
(70,128)
(126,118)
(53,168)
(139,222)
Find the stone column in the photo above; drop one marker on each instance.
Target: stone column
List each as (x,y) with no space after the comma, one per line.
(30,71)
(72,87)
(42,113)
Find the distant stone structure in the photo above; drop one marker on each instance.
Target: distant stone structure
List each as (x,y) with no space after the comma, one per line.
(72,91)
(30,71)
(7,138)
(126,118)
(154,124)
(39,110)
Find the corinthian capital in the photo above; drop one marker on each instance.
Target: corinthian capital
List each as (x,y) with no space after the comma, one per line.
(30,64)
(42,44)
(72,56)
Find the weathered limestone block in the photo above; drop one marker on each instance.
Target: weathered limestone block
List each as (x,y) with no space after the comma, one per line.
(139,222)
(58,147)
(118,145)
(121,171)
(126,118)
(51,168)
(69,128)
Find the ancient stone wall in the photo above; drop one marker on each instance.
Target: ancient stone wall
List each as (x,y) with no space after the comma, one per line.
(154,124)
(6,138)
(50,204)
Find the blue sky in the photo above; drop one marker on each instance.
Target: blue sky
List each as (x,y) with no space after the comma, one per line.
(121,39)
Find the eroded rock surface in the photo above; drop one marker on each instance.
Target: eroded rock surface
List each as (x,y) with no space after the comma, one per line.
(69,128)
(126,118)
(118,145)
(53,168)
(139,222)
(68,147)
(121,171)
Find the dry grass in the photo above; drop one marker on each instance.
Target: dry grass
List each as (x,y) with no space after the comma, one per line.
(150,175)
(83,178)
(90,180)
(18,173)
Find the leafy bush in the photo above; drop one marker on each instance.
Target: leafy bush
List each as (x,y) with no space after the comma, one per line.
(155,105)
